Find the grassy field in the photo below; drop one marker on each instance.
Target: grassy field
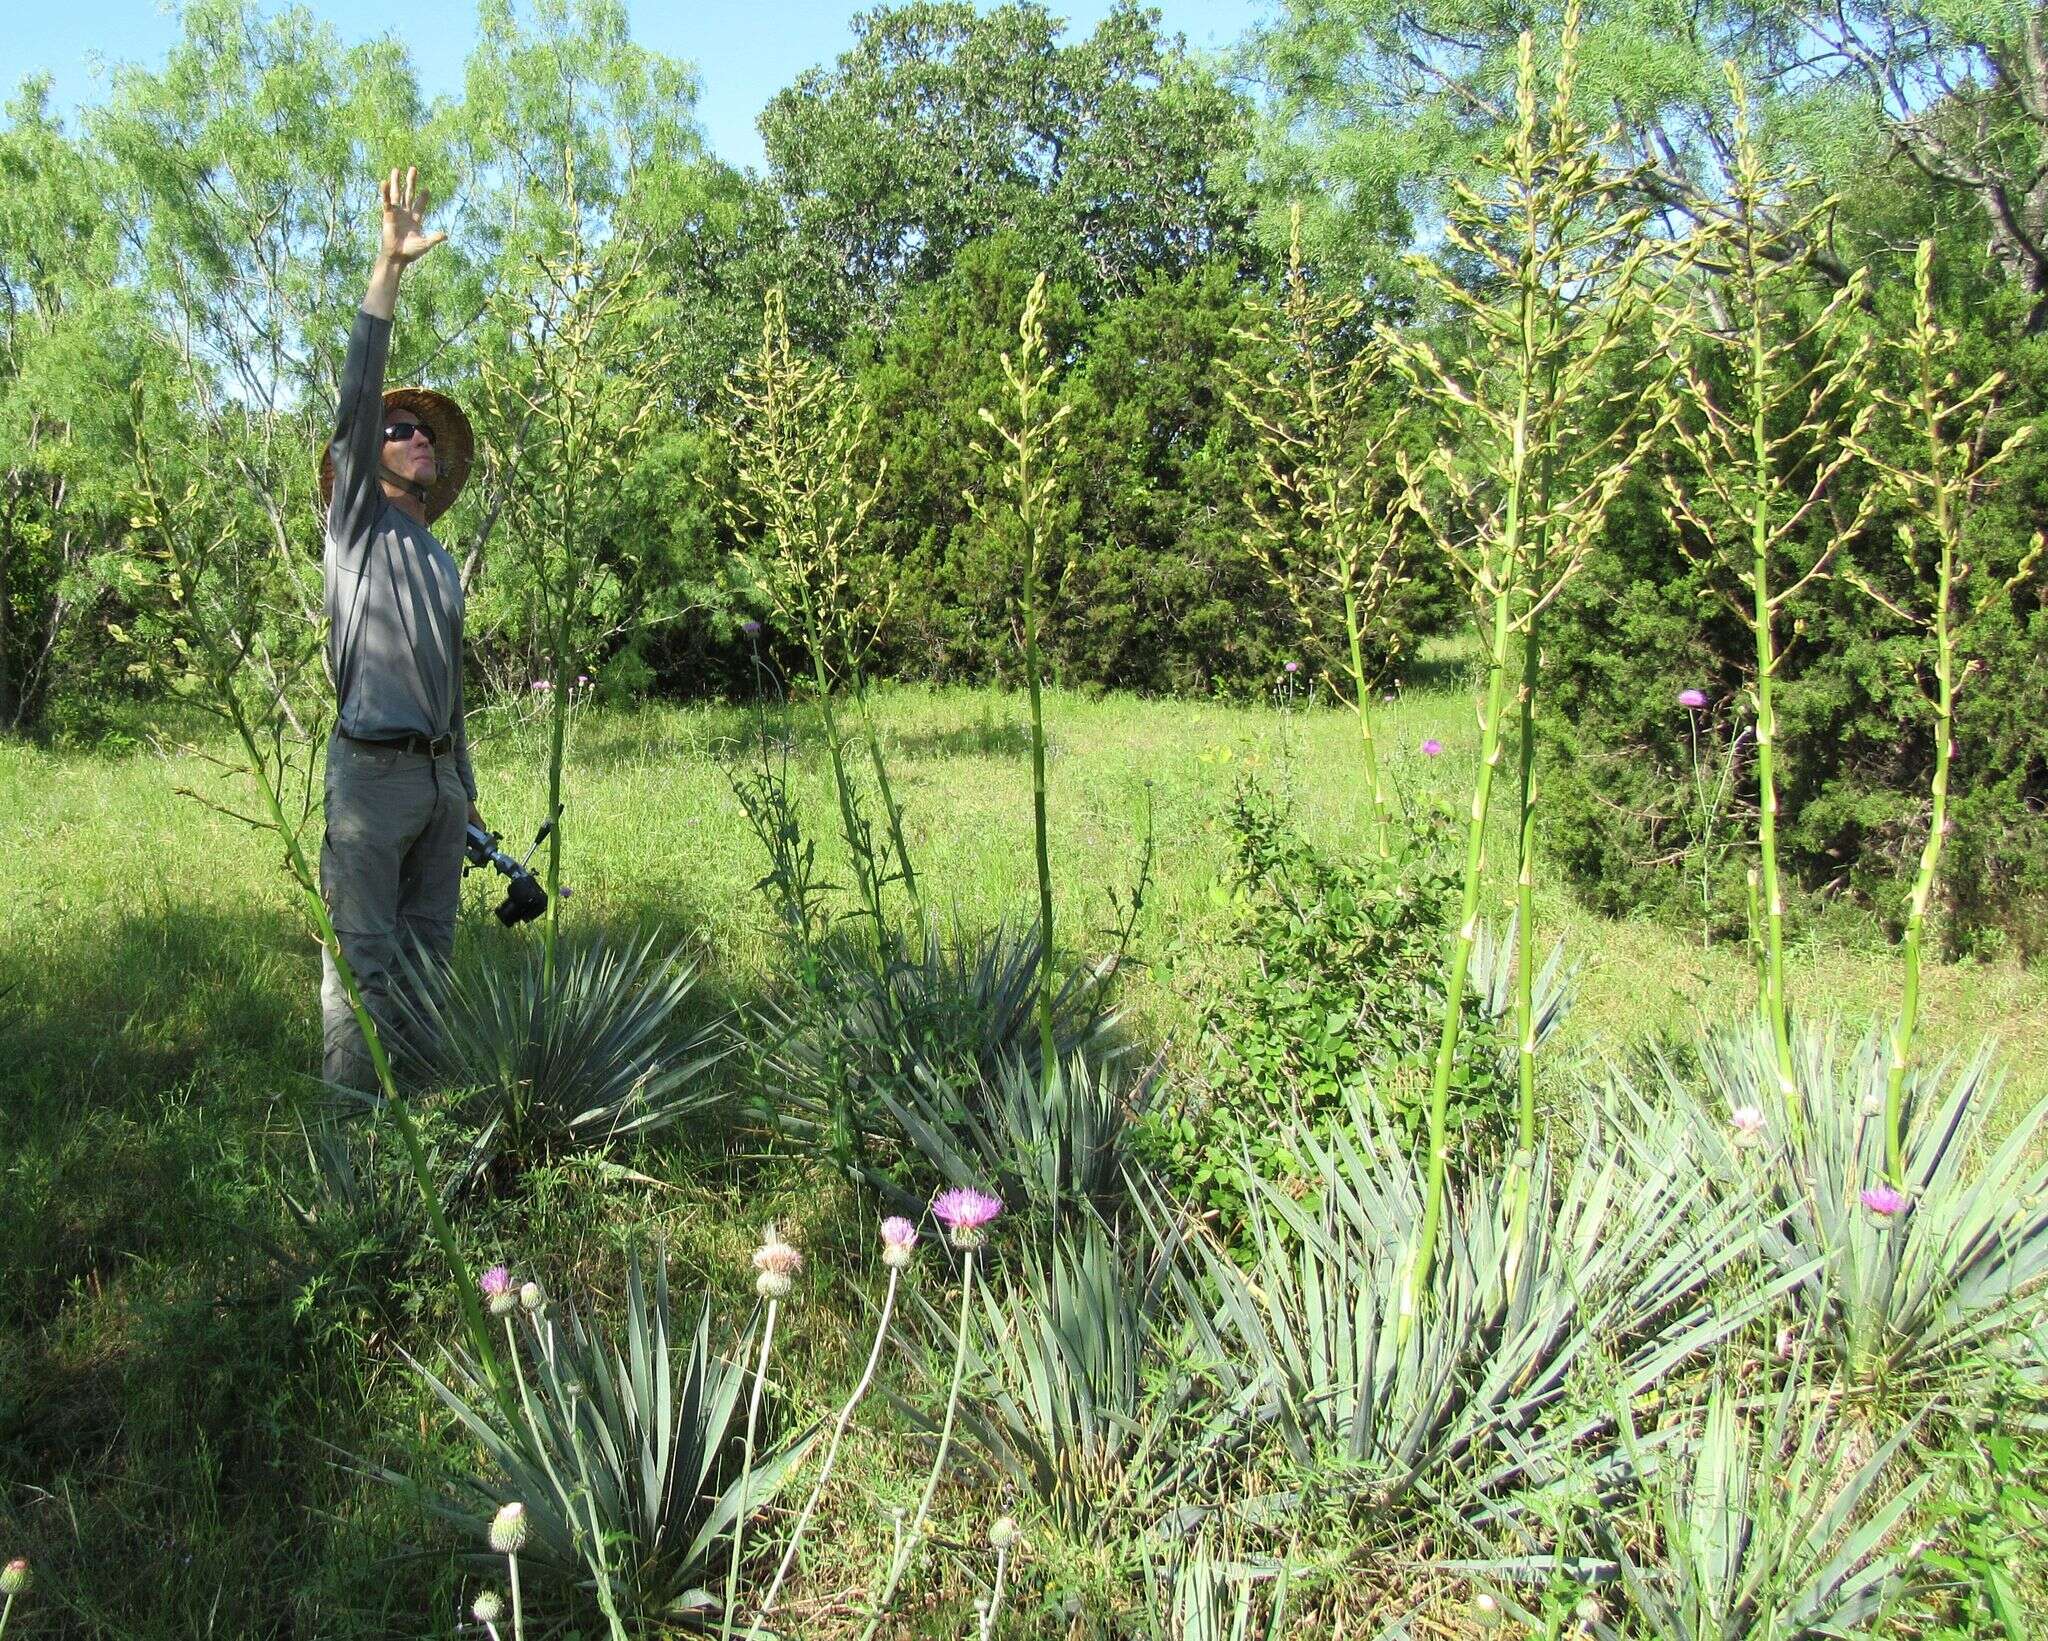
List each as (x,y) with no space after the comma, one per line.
(177,1418)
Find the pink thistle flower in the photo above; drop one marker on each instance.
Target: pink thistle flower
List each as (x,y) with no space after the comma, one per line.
(1884,1201)
(1293,666)
(1692,699)
(899,1242)
(1748,1123)
(496,1284)
(1432,748)
(965,1213)
(777,1262)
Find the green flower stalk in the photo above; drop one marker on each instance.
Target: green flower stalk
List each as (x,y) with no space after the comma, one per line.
(899,1242)
(508,1537)
(776,1264)
(1948,433)
(1028,474)
(798,438)
(1763,417)
(1335,514)
(1517,491)
(965,1214)
(566,412)
(245,683)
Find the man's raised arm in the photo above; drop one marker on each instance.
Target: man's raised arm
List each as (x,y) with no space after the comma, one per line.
(358,443)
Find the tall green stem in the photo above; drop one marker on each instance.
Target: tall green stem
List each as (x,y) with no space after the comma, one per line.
(1907,1025)
(1503,578)
(1775,1009)
(739,1524)
(899,1562)
(1382,821)
(1049,1067)
(890,807)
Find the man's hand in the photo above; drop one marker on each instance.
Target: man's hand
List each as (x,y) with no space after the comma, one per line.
(405,207)
(476,819)
(405,239)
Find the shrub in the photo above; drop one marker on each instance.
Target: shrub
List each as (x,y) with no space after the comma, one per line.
(1341,997)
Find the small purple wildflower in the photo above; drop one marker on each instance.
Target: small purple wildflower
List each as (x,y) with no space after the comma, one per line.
(496,1284)
(1692,699)
(751,628)
(965,1213)
(1432,748)
(565,891)
(899,1241)
(542,684)
(1885,1201)
(1293,666)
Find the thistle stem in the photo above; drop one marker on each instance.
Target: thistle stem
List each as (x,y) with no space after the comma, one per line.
(831,1455)
(739,1524)
(518,1611)
(906,1549)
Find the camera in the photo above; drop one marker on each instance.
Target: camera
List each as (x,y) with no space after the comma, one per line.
(524,899)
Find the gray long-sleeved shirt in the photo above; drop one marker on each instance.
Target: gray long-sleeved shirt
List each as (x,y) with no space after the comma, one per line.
(394,594)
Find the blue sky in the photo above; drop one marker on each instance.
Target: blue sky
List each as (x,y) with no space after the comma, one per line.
(743,53)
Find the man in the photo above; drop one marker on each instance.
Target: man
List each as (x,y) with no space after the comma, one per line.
(400,792)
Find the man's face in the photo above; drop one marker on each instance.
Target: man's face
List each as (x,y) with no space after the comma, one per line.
(409,448)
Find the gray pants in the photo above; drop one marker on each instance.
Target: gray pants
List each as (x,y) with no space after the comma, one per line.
(391,872)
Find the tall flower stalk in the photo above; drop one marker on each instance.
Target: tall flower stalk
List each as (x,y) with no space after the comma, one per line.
(798,437)
(899,1242)
(966,1215)
(216,604)
(567,410)
(1028,424)
(1517,491)
(1334,513)
(776,1264)
(1946,434)
(1765,420)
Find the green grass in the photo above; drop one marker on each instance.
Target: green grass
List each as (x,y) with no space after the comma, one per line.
(174,1421)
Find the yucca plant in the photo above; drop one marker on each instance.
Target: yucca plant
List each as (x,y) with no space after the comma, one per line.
(1201,1596)
(600,1049)
(1518,489)
(929,1051)
(1076,1392)
(1028,448)
(1904,1284)
(1771,402)
(797,436)
(1763,1521)
(1947,430)
(1334,516)
(1610,1282)
(624,1451)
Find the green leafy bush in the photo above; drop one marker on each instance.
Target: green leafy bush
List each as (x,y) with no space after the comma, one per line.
(1341,997)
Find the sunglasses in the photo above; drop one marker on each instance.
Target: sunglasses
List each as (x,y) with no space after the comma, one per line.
(399,432)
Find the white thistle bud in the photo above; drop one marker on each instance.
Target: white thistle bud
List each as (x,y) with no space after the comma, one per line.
(1002,1533)
(1486,1608)
(508,1529)
(487,1608)
(1588,1612)
(531,1297)
(14,1577)
(772,1285)
(504,1304)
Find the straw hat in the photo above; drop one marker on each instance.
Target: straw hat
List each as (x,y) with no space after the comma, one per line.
(454,446)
